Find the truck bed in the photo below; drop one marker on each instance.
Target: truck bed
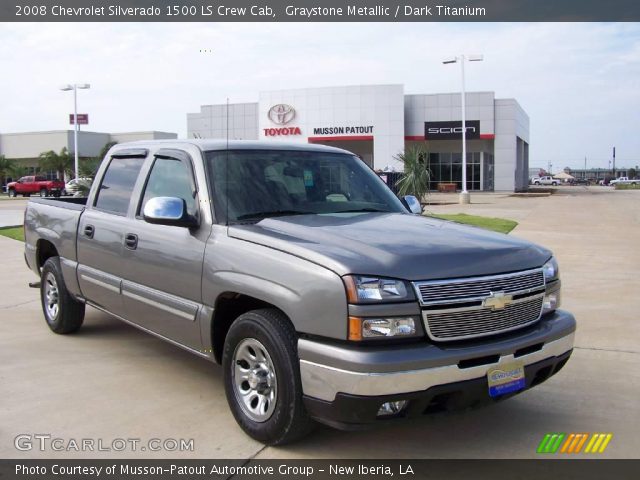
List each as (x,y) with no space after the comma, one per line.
(71,203)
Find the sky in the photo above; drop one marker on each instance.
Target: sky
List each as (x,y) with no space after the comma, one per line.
(578,82)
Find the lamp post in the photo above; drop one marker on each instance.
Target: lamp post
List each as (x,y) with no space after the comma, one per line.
(75,88)
(464,194)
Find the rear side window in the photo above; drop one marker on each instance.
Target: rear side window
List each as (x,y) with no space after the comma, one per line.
(41,179)
(118,181)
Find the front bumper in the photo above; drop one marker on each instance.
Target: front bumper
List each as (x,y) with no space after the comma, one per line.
(345,385)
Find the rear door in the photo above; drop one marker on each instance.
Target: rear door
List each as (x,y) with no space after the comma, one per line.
(101,232)
(163,264)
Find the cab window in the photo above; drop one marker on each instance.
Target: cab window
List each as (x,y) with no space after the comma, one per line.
(114,193)
(169,178)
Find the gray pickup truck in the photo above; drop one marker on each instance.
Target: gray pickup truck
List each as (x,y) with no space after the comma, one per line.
(324,296)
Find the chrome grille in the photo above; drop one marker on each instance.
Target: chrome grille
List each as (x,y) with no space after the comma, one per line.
(458,324)
(448,291)
(466,308)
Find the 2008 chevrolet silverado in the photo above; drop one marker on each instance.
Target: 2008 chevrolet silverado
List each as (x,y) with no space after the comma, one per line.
(323,295)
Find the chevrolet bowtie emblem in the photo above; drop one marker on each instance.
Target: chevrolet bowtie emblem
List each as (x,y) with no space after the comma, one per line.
(497,300)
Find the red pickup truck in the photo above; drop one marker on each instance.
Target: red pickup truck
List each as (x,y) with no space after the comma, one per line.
(35,184)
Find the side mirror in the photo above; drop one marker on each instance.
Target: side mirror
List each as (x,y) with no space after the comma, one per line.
(168,211)
(412,204)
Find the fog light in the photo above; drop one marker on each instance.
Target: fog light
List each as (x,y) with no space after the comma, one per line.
(551,302)
(392,408)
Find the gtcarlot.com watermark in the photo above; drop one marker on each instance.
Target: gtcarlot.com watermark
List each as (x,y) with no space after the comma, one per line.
(44,442)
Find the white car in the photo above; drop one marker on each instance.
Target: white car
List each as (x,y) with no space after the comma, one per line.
(78,186)
(545,181)
(624,181)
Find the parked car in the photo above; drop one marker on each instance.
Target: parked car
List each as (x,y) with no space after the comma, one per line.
(624,181)
(35,184)
(78,186)
(547,180)
(580,181)
(347,312)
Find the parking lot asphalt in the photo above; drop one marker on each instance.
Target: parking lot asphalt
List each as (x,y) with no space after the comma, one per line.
(111,381)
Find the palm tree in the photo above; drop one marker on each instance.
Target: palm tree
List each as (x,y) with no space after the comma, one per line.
(17,170)
(89,166)
(60,162)
(417,175)
(6,165)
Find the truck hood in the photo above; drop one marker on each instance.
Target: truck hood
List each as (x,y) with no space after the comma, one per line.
(393,245)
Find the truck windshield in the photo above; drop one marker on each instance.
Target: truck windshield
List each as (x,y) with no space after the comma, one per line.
(249,185)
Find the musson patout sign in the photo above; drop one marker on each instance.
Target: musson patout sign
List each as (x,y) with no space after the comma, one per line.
(282,114)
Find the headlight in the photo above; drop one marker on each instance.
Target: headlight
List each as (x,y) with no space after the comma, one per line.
(551,300)
(550,270)
(363,289)
(370,328)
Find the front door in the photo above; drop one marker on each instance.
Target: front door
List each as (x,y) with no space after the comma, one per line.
(162,282)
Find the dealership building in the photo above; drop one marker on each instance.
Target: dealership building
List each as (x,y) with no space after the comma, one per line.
(26,147)
(377,122)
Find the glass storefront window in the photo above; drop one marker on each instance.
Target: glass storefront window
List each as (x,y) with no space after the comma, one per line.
(447,168)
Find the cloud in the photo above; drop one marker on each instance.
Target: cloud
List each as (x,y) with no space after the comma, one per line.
(578,82)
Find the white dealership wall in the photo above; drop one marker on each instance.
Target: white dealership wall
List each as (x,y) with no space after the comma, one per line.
(396,120)
(29,145)
(358,112)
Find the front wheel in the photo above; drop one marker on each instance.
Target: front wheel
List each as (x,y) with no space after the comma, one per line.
(537,183)
(63,313)
(12,193)
(262,377)
(44,192)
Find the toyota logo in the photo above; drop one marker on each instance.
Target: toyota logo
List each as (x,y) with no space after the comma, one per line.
(281,114)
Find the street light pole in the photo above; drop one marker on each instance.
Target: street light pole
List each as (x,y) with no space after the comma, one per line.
(465,197)
(75,130)
(75,88)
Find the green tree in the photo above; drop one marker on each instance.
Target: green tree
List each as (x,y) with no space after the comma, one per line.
(17,170)
(6,165)
(59,162)
(417,175)
(89,166)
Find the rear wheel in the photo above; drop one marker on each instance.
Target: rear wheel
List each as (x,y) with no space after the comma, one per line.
(537,183)
(62,312)
(12,193)
(262,377)
(44,192)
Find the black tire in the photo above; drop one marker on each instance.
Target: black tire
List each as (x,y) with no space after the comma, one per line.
(554,184)
(289,420)
(537,183)
(69,315)
(12,193)
(44,192)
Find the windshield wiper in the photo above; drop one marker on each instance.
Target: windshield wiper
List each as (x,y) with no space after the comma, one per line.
(273,213)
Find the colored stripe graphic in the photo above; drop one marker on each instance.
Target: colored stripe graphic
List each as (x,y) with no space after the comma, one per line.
(551,442)
(598,443)
(572,443)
